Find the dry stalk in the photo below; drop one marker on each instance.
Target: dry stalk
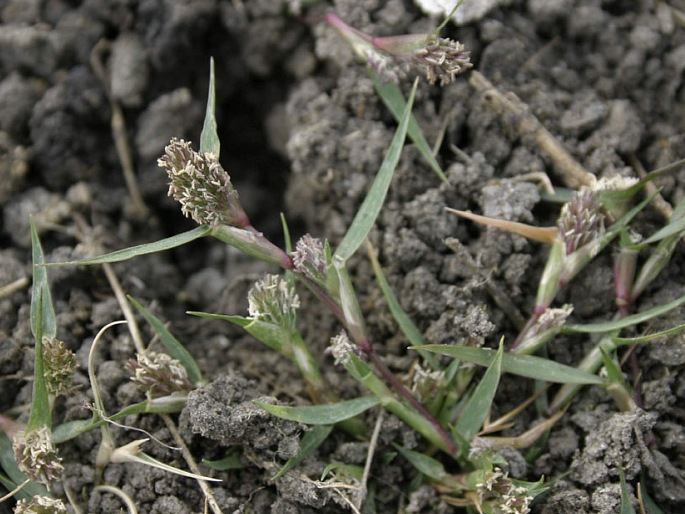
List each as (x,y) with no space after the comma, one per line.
(531,131)
(118,125)
(204,486)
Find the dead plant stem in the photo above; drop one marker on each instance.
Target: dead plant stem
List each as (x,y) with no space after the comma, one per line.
(125,308)
(529,128)
(118,125)
(178,440)
(373,444)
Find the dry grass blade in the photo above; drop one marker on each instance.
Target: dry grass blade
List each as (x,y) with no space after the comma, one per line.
(545,235)
(527,438)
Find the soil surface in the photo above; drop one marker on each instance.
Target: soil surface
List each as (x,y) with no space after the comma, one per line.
(304,133)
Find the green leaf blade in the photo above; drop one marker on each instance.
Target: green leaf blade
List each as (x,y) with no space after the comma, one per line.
(430,467)
(271,335)
(626,506)
(392,97)
(43,318)
(623,341)
(407,326)
(651,506)
(628,321)
(528,366)
(209,138)
(478,406)
(43,325)
(673,229)
(372,204)
(329,414)
(227,463)
(144,249)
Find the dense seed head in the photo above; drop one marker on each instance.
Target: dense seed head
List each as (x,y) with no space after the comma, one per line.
(202,186)
(273,300)
(159,374)
(37,456)
(581,221)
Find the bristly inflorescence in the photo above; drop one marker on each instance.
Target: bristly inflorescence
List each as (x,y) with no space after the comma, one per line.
(309,259)
(202,186)
(159,374)
(273,300)
(441,59)
(581,221)
(550,320)
(59,366)
(40,505)
(37,456)
(438,59)
(341,348)
(503,494)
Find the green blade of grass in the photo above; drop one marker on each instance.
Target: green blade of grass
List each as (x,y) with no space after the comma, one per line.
(652,507)
(43,325)
(478,406)
(172,345)
(675,228)
(271,335)
(628,321)
(225,464)
(613,369)
(620,225)
(43,319)
(524,365)
(407,326)
(623,341)
(209,138)
(372,204)
(41,413)
(351,470)
(392,97)
(144,249)
(329,414)
(626,506)
(429,466)
(310,442)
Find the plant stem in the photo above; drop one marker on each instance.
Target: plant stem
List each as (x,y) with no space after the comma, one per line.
(405,393)
(204,486)
(427,426)
(590,363)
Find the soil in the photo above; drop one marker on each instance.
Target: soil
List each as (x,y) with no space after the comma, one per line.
(304,133)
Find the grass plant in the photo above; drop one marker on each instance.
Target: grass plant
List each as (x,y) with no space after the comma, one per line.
(451,410)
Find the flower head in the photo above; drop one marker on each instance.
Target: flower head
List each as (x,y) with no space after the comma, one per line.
(425,382)
(581,221)
(59,366)
(202,186)
(342,348)
(545,327)
(502,494)
(273,300)
(309,259)
(437,58)
(40,505)
(37,456)
(159,374)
